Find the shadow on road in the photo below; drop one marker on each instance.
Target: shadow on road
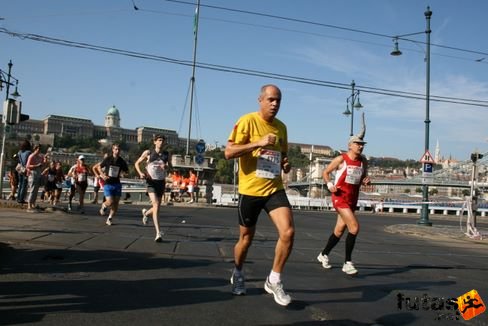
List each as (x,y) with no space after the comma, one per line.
(86,281)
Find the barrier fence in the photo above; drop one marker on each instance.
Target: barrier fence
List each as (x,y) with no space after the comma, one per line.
(138,194)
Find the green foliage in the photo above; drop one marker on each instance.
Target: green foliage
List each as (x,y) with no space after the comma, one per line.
(225,168)
(217,154)
(336,153)
(176,150)
(296,158)
(388,162)
(76,143)
(224,172)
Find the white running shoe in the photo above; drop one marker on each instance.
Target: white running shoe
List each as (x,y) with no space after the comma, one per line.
(324,259)
(144,217)
(159,237)
(103,210)
(109,221)
(278,293)
(349,268)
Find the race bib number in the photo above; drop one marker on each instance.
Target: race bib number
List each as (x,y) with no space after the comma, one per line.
(269,164)
(81,177)
(113,171)
(156,170)
(354,174)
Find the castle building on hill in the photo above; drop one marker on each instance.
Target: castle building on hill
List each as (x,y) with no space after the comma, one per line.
(44,130)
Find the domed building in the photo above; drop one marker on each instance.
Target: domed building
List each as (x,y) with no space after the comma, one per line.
(107,133)
(112,119)
(113,131)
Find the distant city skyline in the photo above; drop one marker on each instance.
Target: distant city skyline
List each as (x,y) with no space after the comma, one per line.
(116,120)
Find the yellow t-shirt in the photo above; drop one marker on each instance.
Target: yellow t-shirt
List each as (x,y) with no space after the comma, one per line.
(260,170)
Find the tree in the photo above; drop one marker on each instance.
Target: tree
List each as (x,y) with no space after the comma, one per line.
(389,162)
(296,158)
(336,153)
(225,168)
(225,171)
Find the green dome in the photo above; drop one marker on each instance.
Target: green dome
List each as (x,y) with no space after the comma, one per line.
(113,111)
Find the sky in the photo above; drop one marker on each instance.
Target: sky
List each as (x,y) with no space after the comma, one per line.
(311,49)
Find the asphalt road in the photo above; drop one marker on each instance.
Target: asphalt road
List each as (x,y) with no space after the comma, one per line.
(72,269)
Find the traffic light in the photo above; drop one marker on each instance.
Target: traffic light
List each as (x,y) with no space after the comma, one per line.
(12,111)
(476,156)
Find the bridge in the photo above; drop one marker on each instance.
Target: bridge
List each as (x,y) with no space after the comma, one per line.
(456,176)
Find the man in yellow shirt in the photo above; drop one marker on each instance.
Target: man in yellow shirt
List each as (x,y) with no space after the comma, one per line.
(260,142)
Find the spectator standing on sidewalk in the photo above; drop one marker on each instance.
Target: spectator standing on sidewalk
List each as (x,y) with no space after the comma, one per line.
(380,206)
(110,170)
(183,187)
(175,185)
(35,163)
(192,186)
(351,171)
(23,155)
(157,163)
(13,179)
(260,141)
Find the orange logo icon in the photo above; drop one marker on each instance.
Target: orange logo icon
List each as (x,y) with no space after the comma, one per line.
(470,304)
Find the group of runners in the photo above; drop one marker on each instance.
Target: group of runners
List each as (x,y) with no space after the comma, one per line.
(260,141)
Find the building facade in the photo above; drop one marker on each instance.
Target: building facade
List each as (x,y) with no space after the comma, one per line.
(43,131)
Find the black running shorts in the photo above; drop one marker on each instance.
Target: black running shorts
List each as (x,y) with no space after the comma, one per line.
(251,206)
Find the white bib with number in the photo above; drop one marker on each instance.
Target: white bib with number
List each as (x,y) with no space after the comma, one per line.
(156,170)
(269,164)
(354,174)
(81,177)
(113,171)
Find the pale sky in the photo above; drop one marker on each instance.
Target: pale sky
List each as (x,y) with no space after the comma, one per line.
(329,42)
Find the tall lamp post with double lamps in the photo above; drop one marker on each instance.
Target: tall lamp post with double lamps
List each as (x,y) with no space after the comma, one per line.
(353,99)
(424,215)
(6,78)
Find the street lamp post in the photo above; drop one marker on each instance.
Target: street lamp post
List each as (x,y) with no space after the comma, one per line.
(7,81)
(355,103)
(424,215)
